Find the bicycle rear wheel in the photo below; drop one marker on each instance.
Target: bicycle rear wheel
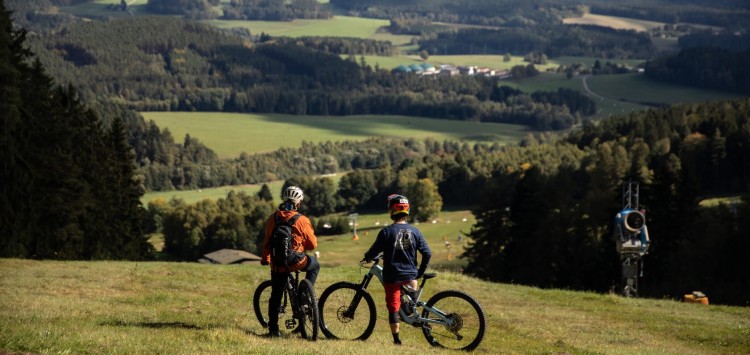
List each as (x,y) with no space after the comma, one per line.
(466,326)
(346,312)
(260,306)
(309,305)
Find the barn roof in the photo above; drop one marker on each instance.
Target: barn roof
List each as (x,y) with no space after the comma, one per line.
(229,256)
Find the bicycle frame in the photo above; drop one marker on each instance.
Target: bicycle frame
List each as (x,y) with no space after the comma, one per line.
(415,319)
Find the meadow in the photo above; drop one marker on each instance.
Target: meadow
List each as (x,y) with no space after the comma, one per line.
(639,88)
(338,26)
(114,307)
(230,134)
(619,23)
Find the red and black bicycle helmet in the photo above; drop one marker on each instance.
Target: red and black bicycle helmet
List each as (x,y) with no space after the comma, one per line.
(398,206)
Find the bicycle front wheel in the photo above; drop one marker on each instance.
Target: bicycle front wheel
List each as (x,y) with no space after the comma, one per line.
(462,321)
(346,312)
(260,302)
(260,306)
(309,309)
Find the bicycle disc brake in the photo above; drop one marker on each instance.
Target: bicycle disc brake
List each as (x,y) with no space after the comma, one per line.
(344,315)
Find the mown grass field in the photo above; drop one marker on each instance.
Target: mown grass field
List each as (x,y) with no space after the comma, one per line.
(229,134)
(639,88)
(338,26)
(98,307)
(620,23)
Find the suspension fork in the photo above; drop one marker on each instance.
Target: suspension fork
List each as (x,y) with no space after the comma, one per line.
(358,296)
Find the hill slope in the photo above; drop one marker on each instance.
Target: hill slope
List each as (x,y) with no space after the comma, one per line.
(126,307)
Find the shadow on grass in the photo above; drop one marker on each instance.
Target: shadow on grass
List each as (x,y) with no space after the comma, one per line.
(180,325)
(161,325)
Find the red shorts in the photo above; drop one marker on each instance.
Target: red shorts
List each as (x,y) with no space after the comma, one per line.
(393,296)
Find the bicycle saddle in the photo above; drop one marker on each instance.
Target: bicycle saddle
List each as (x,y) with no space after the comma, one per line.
(429,275)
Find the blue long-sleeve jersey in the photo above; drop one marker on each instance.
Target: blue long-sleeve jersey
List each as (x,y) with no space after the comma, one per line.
(399,243)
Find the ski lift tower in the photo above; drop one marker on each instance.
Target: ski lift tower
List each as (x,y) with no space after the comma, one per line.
(631,238)
(353,223)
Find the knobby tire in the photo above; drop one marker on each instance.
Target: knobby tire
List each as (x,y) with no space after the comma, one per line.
(309,313)
(467,332)
(335,320)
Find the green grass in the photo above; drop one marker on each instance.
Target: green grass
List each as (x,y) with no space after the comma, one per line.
(229,134)
(552,81)
(639,88)
(213,193)
(97,8)
(187,308)
(620,23)
(338,26)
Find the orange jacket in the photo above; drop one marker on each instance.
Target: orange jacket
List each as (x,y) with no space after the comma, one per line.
(302,232)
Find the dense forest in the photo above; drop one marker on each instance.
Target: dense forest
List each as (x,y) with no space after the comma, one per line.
(192,67)
(69,187)
(554,41)
(704,67)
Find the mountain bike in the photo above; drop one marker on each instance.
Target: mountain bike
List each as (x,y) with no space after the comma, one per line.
(298,309)
(450,319)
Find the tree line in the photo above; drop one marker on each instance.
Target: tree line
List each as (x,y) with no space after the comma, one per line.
(275,10)
(545,208)
(69,184)
(552,40)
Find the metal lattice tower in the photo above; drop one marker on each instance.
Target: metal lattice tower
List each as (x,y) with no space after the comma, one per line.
(630,191)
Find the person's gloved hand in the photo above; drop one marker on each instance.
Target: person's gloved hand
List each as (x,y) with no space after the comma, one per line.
(264,262)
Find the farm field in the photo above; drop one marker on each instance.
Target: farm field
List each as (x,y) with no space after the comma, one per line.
(213,193)
(639,88)
(620,23)
(230,134)
(118,307)
(548,81)
(338,26)
(97,8)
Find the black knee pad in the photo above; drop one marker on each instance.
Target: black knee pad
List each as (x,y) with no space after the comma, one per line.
(392,317)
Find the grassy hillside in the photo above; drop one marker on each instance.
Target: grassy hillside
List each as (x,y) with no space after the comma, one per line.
(182,308)
(229,134)
(620,23)
(639,88)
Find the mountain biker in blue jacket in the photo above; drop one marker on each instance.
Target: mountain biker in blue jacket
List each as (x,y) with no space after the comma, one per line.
(399,243)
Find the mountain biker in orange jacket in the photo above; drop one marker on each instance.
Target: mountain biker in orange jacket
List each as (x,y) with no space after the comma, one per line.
(304,239)
(399,243)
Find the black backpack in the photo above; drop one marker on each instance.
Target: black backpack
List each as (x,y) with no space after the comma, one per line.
(282,243)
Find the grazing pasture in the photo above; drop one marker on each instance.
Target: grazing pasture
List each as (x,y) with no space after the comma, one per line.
(619,23)
(230,134)
(638,88)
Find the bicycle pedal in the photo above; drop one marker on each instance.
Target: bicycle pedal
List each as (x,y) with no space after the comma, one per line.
(290,324)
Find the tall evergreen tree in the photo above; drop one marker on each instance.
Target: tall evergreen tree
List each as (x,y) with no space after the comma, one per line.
(67,192)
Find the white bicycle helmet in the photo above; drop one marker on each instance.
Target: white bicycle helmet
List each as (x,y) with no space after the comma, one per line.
(293,193)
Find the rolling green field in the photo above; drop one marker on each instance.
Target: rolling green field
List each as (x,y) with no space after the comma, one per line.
(338,26)
(117,307)
(212,193)
(620,23)
(639,88)
(97,8)
(229,134)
